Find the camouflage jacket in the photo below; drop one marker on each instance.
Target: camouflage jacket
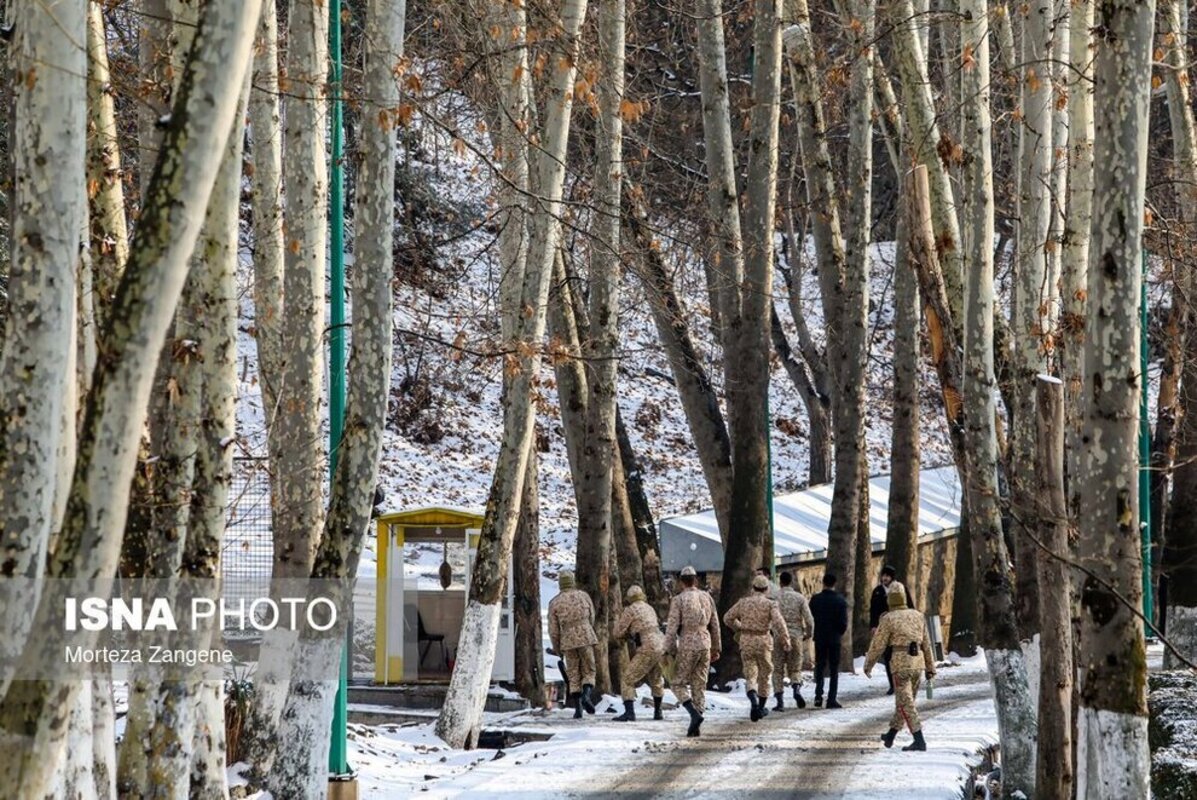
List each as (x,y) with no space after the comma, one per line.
(571,620)
(693,622)
(757,615)
(899,629)
(795,610)
(639,619)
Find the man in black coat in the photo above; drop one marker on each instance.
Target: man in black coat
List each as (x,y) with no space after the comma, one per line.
(878,607)
(830,610)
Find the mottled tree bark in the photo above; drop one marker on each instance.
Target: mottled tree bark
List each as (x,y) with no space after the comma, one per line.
(1112,756)
(1075,244)
(33,720)
(298,454)
(105,186)
(461,716)
(36,368)
(1034,297)
(996,611)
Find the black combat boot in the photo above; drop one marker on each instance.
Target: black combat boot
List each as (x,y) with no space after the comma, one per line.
(575,700)
(798,697)
(629,712)
(587,703)
(755,713)
(657,709)
(919,742)
(818,701)
(888,737)
(833,704)
(781,703)
(695,718)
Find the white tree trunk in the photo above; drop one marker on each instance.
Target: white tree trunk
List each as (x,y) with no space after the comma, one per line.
(297,450)
(105,186)
(301,447)
(301,768)
(266,198)
(923,132)
(998,628)
(1075,241)
(33,719)
(461,715)
(1112,757)
(1034,295)
(48,141)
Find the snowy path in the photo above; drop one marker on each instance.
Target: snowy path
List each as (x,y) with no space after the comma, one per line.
(810,754)
(813,753)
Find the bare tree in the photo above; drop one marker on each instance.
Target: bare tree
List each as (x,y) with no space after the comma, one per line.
(460,718)
(300,770)
(593,476)
(1034,296)
(1112,755)
(49,135)
(1075,244)
(998,627)
(33,719)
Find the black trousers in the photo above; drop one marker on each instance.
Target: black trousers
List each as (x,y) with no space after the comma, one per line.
(827,664)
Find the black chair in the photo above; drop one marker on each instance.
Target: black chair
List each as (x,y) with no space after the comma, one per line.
(426,640)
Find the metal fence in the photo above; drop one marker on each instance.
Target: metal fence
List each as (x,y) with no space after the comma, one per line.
(247,552)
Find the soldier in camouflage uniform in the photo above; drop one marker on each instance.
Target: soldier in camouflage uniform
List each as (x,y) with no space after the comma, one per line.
(756,619)
(638,622)
(904,630)
(795,610)
(692,631)
(571,630)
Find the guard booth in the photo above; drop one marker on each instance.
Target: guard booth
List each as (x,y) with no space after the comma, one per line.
(425,559)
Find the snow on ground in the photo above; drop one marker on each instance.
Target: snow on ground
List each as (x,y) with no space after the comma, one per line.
(596,756)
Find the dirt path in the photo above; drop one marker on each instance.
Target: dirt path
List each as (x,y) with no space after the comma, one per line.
(807,754)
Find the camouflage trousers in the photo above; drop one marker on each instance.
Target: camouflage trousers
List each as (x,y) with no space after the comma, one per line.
(579,667)
(756,652)
(788,664)
(906,687)
(690,673)
(644,666)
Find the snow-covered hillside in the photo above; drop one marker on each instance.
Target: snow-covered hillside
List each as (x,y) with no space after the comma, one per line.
(444,429)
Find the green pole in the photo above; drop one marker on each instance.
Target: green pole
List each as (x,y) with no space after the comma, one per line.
(338,763)
(1145,455)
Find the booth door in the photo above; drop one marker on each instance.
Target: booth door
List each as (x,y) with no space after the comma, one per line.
(504,667)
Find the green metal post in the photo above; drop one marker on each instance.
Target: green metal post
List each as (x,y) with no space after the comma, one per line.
(1145,456)
(338,763)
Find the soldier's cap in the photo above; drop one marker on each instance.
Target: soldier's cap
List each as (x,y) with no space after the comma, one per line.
(760,583)
(896,597)
(889,570)
(635,594)
(565,580)
(688,571)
